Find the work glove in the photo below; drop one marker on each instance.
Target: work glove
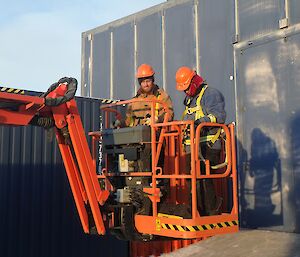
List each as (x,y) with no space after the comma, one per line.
(197,122)
(147,122)
(136,197)
(117,124)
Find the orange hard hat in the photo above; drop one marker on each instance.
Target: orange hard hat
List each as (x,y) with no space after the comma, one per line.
(144,70)
(184,76)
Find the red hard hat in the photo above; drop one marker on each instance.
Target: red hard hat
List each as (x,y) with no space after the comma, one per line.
(144,70)
(184,76)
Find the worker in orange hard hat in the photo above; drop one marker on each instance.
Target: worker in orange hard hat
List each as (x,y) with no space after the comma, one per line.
(203,104)
(139,113)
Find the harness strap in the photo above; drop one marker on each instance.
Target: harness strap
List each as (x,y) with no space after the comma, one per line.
(198,109)
(199,114)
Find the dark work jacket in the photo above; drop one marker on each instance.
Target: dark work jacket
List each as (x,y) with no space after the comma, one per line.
(213,104)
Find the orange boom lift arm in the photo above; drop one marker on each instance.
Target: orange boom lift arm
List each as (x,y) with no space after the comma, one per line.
(21,110)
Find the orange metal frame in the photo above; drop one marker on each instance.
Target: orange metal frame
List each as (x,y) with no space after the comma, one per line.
(171,135)
(29,106)
(84,181)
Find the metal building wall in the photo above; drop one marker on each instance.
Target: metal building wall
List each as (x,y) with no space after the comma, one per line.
(150,52)
(216,30)
(249,49)
(166,36)
(257,17)
(267,88)
(86,60)
(101,59)
(38,216)
(294,11)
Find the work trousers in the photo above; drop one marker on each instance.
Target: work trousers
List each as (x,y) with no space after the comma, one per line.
(208,203)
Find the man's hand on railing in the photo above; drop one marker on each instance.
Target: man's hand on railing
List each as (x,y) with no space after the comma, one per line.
(117,124)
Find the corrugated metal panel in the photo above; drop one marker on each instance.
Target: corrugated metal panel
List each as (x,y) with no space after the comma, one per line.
(85,67)
(264,144)
(149,43)
(38,216)
(294,11)
(293,115)
(101,65)
(123,61)
(166,39)
(216,58)
(257,17)
(180,47)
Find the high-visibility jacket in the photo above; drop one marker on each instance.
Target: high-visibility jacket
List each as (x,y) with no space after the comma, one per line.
(207,106)
(138,113)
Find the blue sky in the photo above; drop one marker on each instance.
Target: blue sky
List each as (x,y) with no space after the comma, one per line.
(40,41)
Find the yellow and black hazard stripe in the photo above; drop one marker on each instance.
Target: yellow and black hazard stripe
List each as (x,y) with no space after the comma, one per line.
(109,101)
(203,227)
(12,90)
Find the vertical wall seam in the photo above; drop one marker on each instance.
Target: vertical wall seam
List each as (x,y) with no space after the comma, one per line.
(91,65)
(235,88)
(237,127)
(163,38)
(135,55)
(287,10)
(196,19)
(82,65)
(88,82)
(111,91)
(236,18)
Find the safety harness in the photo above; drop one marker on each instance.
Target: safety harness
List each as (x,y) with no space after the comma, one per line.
(198,115)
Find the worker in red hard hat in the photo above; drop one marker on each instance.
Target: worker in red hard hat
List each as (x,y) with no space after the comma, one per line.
(203,104)
(139,113)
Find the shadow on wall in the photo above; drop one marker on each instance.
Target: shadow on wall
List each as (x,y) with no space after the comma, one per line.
(261,195)
(295,147)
